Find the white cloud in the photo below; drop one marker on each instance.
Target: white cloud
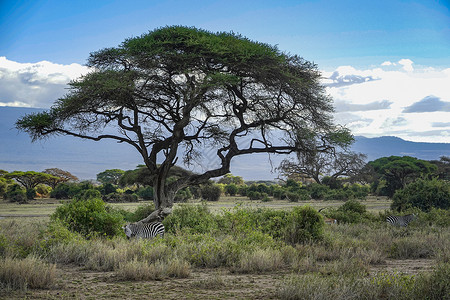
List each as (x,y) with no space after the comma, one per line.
(380,106)
(35,84)
(371,102)
(407,64)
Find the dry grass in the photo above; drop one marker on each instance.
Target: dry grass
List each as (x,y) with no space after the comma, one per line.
(21,274)
(138,270)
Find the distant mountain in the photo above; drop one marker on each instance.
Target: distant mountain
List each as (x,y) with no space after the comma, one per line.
(389,145)
(85,159)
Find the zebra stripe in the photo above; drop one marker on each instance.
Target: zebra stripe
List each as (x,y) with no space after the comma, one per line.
(400,220)
(144,230)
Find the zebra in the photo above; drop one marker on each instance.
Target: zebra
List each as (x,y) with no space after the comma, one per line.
(400,220)
(144,230)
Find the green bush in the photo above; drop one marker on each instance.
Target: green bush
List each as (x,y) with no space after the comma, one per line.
(15,193)
(231,189)
(190,218)
(120,197)
(304,224)
(318,191)
(183,195)
(350,212)
(211,192)
(145,193)
(140,213)
(66,190)
(107,189)
(253,195)
(89,217)
(423,194)
(88,194)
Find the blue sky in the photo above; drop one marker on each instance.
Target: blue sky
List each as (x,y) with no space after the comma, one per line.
(386,63)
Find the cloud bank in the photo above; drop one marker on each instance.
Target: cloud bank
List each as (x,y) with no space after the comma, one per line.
(35,84)
(393,98)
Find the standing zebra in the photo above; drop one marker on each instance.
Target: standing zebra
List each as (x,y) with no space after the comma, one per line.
(144,230)
(400,220)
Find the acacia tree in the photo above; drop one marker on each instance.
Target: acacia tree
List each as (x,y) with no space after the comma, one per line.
(316,164)
(110,176)
(176,90)
(59,176)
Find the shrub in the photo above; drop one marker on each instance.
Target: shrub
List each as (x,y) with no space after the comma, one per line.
(190,218)
(120,197)
(318,191)
(15,193)
(89,217)
(304,224)
(350,212)
(211,192)
(183,195)
(231,189)
(145,193)
(65,190)
(423,194)
(140,213)
(88,194)
(43,190)
(107,188)
(253,195)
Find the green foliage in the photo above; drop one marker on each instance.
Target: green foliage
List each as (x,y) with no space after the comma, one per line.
(145,193)
(183,195)
(120,197)
(89,217)
(3,186)
(423,194)
(15,193)
(31,193)
(211,192)
(110,176)
(231,189)
(318,191)
(43,189)
(66,190)
(304,224)
(88,194)
(438,217)
(140,213)
(332,182)
(107,188)
(398,171)
(56,233)
(230,179)
(350,212)
(191,218)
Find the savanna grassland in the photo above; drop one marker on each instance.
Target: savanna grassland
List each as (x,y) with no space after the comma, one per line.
(230,249)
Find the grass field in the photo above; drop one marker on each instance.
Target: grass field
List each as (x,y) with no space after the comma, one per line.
(354,261)
(45,207)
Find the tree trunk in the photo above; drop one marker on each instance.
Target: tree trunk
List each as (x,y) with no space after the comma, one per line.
(163,200)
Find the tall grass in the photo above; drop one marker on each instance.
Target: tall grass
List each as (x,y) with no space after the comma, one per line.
(30,272)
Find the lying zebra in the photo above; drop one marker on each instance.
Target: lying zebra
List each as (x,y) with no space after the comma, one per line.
(144,230)
(400,220)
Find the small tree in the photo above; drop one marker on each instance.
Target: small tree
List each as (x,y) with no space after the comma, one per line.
(110,176)
(59,176)
(399,171)
(177,90)
(317,164)
(230,179)
(30,180)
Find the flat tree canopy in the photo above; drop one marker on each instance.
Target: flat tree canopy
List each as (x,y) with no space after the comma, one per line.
(176,90)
